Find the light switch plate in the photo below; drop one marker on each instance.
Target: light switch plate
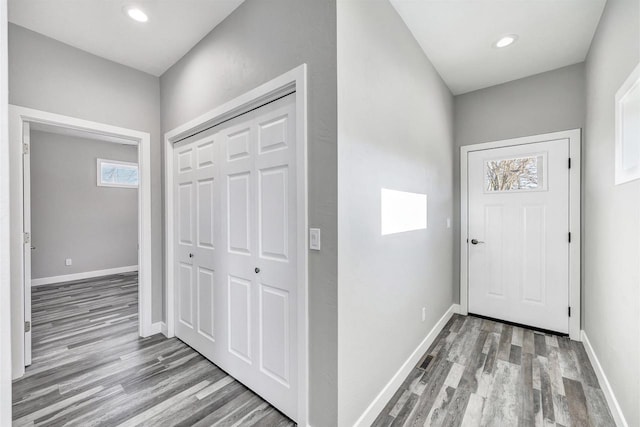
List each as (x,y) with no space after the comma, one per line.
(68,262)
(314,239)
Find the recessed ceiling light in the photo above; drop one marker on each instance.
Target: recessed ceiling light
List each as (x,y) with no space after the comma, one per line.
(137,14)
(505,41)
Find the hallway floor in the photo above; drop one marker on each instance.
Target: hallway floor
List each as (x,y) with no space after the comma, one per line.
(91,368)
(484,373)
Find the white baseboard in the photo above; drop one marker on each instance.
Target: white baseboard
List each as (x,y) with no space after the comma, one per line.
(614,406)
(378,404)
(80,276)
(159,328)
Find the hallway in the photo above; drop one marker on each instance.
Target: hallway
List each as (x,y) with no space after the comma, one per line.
(90,367)
(484,373)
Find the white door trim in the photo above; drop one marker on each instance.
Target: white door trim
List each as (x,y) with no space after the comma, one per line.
(26,246)
(18,116)
(294,80)
(5,278)
(574,137)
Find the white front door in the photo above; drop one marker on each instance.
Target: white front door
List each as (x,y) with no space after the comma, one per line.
(236,250)
(518,238)
(197,255)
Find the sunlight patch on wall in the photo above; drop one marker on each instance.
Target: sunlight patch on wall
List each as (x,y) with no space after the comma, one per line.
(402,211)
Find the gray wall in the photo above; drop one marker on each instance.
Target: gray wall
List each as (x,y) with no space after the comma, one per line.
(257,42)
(612,213)
(547,102)
(48,75)
(71,217)
(395,130)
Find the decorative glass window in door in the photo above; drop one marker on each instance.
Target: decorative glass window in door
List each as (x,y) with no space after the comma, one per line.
(113,173)
(517,174)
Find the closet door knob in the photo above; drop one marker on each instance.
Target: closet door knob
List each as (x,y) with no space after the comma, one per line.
(257,270)
(191,255)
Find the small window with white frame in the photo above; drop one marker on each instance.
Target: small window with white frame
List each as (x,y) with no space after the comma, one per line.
(114,173)
(627,145)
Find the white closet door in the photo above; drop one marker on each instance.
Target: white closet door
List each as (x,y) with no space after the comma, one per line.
(197,233)
(258,186)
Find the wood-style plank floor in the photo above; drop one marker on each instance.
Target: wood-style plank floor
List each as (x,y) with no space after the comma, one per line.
(484,373)
(91,368)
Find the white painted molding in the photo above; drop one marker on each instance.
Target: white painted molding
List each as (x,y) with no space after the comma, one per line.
(159,328)
(627,90)
(5,278)
(373,410)
(80,276)
(614,406)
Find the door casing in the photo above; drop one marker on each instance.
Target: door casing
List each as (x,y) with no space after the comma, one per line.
(294,81)
(5,230)
(18,116)
(574,137)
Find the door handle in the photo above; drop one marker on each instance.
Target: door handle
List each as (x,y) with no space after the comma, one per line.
(257,270)
(191,255)
(476,241)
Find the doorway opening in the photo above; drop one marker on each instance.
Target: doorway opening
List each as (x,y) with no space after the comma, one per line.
(520,231)
(134,154)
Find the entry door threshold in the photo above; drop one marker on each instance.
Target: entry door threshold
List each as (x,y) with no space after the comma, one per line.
(520,325)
